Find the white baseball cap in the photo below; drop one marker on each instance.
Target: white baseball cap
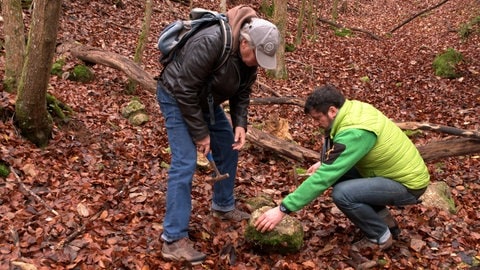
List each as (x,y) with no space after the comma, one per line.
(266,38)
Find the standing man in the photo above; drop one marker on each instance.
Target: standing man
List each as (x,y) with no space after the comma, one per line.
(369,162)
(192,125)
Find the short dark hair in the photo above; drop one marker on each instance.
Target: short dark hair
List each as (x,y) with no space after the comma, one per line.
(322,98)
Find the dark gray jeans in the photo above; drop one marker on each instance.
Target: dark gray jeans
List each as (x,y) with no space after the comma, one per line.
(360,199)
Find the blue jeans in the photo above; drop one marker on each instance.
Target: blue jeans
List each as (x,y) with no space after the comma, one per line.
(360,199)
(184,162)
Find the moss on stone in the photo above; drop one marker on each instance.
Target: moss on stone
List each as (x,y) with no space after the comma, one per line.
(287,237)
(132,107)
(81,73)
(260,201)
(445,64)
(57,67)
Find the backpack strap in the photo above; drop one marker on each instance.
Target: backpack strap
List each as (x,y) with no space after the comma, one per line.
(227,41)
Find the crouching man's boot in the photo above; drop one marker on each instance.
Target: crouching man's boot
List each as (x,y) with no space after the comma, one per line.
(390,221)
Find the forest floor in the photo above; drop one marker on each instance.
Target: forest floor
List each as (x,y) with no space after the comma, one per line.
(106,180)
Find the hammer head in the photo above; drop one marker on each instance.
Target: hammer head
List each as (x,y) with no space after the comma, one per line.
(218,177)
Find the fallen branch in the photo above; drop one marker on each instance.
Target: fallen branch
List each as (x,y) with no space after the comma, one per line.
(40,200)
(444,129)
(336,25)
(416,15)
(278,100)
(80,229)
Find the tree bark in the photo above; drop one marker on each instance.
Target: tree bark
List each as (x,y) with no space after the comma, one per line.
(141,42)
(280,18)
(31,115)
(14,43)
(431,151)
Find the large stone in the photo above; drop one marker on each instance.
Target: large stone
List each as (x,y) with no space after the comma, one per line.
(287,237)
(438,195)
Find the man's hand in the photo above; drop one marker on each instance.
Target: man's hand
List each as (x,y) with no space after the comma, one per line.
(269,220)
(203,145)
(240,138)
(314,167)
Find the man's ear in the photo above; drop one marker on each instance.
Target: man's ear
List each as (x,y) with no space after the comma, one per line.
(332,111)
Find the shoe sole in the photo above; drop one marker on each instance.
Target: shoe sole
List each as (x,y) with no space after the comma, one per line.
(175,258)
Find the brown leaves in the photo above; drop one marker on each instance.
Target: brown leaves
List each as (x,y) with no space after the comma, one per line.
(105,177)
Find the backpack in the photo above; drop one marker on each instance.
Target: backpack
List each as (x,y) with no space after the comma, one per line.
(176,34)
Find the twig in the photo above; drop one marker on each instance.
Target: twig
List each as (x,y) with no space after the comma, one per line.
(416,15)
(16,240)
(19,181)
(80,229)
(336,25)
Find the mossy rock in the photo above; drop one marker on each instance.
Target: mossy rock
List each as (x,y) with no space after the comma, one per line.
(138,118)
(438,195)
(445,64)
(287,237)
(57,67)
(259,202)
(81,73)
(132,107)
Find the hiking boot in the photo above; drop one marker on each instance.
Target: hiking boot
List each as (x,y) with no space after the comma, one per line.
(390,221)
(365,244)
(234,215)
(182,250)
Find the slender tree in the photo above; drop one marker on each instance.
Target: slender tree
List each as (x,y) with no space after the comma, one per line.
(31,115)
(14,43)
(141,42)
(280,17)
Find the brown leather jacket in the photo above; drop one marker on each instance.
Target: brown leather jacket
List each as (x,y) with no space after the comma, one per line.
(187,78)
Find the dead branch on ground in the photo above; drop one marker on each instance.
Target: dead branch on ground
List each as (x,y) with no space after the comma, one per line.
(418,14)
(37,198)
(336,25)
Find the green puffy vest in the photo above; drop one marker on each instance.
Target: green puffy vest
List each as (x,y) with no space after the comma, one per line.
(393,156)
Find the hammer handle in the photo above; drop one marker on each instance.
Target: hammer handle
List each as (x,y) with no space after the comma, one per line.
(212,163)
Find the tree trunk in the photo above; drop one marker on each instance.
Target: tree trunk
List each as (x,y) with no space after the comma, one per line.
(431,151)
(141,42)
(280,18)
(301,16)
(14,43)
(31,115)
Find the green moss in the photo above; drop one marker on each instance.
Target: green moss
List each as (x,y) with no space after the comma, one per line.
(287,237)
(267,7)
(81,73)
(365,79)
(289,47)
(4,170)
(343,32)
(132,107)
(260,201)
(57,67)
(445,63)
(272,242)
(469,28)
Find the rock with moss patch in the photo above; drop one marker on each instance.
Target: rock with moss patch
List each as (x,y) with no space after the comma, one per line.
(135,112)
(445,64)
(287,237)
(81,73)
(259,202)
(138,119)
(438,195)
